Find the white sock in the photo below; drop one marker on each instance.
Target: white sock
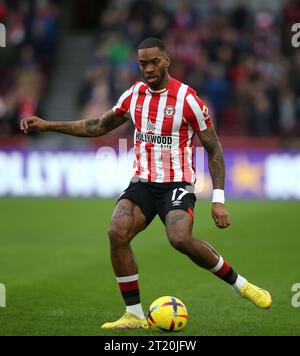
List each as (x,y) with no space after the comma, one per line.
(136,310)
(240,282)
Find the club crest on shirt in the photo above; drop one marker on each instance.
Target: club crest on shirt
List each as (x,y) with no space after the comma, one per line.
(169,111)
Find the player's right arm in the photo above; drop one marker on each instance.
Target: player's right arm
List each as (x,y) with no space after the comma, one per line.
(82,128)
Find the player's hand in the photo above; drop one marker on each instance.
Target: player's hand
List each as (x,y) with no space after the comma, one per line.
(220,215)
(33,124)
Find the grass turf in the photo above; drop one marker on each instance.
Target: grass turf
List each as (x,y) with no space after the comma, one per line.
(54,261)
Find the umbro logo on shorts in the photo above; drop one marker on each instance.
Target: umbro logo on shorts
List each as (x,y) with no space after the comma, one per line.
(176,203)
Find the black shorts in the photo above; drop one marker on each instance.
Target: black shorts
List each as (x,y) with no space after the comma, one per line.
(160,198)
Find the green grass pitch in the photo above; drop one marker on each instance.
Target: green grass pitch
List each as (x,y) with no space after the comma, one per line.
(54,262)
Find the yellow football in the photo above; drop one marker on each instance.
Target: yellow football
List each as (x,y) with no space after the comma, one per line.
(167,314)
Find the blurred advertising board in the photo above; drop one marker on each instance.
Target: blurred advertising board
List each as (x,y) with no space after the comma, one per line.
(49,173)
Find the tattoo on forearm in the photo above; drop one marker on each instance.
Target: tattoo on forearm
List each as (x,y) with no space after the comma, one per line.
(90,127)
(217,169)
(69,128)
(216,161)
(107,123)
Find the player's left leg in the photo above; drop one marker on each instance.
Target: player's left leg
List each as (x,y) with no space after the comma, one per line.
(179,226)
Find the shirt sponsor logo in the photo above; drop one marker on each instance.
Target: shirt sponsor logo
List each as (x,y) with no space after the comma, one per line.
(157,139)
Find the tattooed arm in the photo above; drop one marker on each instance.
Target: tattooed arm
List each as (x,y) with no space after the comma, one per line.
(216,163)
(82,128)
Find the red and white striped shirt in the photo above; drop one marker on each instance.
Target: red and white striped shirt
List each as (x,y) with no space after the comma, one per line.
(165,124)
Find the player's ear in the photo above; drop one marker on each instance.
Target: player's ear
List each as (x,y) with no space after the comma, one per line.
(168,60)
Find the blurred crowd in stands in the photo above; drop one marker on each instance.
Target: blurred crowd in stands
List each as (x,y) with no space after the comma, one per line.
(239,60)
(32,31)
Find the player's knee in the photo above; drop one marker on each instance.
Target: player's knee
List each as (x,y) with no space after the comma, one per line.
(118,235)
(180,243)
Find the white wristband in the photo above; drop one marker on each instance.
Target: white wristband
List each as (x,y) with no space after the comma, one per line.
(218,196)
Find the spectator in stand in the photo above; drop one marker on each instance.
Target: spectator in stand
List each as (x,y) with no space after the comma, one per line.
(234,58)
(32,35)
(239,59)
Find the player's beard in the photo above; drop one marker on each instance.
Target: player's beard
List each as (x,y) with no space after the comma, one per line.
(156,85)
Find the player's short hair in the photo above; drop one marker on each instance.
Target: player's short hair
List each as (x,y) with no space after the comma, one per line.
(152,42)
